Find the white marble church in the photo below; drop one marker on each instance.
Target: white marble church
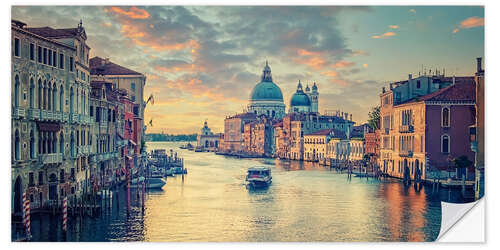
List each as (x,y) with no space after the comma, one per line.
(267,99)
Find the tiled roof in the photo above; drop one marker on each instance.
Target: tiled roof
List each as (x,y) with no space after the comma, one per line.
(248,115)
(465,90)
(99,66)
(336,133)
(54,33)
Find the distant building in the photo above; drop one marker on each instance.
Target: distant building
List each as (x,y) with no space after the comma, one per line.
(316,144)
(234,127)
(123,78)
(259,137)
(207,140)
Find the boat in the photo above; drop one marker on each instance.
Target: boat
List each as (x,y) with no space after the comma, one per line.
(187,146)
(259,176)
(170,172)
(180,170)
(151,183)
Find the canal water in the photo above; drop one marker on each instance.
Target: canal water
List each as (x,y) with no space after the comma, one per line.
(305,202)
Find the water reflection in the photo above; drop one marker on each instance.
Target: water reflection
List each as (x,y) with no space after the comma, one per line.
(305,202)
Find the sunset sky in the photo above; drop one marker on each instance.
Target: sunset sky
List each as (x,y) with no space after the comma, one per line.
(202,62)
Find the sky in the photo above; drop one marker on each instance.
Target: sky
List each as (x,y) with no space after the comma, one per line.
(201,62)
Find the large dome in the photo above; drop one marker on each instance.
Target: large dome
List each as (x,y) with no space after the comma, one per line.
(300,99)
(266,91)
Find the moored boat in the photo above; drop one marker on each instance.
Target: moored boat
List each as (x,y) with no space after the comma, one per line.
(151,183)
(259,176)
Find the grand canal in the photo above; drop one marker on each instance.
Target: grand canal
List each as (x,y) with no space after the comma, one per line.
(306,202)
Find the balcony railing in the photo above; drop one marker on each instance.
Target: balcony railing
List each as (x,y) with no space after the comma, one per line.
(51,158)
(46,115)
(103,126)
(65,117)
(406,129)
(57,115)
(18,112)
(74,118)
(406,153)
(34,114)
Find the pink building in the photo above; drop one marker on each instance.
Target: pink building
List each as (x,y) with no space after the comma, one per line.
(424,125)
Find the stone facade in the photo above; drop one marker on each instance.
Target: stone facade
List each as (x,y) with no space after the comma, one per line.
(50,114)
(68,132)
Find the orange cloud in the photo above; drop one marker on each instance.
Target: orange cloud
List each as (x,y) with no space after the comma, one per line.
(365,65)
(342,64)
(470,22)
(133,12)
(393,26)
(385,35)
(177,68)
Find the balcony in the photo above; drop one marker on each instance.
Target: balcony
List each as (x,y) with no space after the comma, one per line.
(73,118)
(46,115)
(103,126)
(34,114)
(51,158)
(18,113)
(406,129)
(65,117)
(57,115)
(406,153)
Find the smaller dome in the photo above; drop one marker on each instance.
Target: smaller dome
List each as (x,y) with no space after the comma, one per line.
(300,99)
(314,87)
(307,88)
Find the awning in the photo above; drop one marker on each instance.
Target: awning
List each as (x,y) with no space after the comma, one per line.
(49,126)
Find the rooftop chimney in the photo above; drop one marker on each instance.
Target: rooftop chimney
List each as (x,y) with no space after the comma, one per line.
(383,90)
(479,66)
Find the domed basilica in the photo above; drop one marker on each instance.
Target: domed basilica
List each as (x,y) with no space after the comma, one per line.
(267,99)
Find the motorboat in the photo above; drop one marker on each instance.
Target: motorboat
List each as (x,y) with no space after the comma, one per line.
(259,176)
(151,183)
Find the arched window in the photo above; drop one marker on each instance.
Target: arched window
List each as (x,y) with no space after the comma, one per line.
(445,117)
(445,144)
(17,146)
(32,145)
(61,143)
(32,92)
(54,143)
(71,100)
(61,99)
(54,97)
(72,144)
(16,91)
(39,94)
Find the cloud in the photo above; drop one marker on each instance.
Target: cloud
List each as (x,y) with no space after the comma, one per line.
(385,35)
(200,59)
(365,65)
(133,12)
(393,26)
(470,22)
(412,11)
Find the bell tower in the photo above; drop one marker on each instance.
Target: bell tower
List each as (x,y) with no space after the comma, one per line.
(314,98)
